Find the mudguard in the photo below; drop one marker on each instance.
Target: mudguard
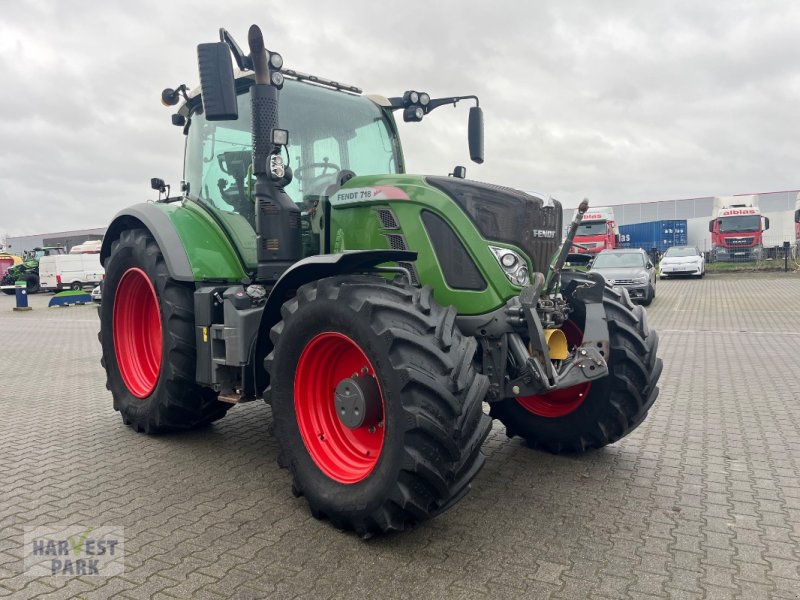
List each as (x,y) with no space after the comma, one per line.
(159,225)
(194,246)
(304,271)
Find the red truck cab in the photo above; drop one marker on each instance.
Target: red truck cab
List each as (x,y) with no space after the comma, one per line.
(737,232)
(598,231)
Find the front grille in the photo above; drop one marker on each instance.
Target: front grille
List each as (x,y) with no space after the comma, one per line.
(506,215)
(746,241)
(621,281)
(458,268)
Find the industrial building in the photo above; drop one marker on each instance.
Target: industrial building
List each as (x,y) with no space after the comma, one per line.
(68,239)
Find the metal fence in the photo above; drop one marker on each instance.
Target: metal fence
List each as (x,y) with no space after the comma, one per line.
(774,254)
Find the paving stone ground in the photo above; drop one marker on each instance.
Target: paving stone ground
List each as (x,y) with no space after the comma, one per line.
(701,501)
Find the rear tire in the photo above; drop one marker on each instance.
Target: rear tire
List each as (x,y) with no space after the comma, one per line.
(421,456)
(147,336)
(615,405)
(76,286)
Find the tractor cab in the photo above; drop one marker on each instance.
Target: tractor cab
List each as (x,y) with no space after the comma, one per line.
(332,132)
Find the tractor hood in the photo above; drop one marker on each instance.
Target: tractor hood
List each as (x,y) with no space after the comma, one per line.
(531,222)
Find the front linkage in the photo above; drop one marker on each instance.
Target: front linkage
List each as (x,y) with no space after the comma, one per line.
(545,365)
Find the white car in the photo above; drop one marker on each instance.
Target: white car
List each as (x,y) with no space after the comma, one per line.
(682,260)
(96,297)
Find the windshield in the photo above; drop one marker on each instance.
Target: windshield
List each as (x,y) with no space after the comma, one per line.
(592,228)
(618,261)
(739,223)
(673,252)
(328,131)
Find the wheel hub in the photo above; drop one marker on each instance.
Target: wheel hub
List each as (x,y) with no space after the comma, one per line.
(334,373)
(358,402)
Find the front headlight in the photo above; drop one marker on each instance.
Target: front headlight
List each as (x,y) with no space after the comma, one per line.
(642,279)
(513,265)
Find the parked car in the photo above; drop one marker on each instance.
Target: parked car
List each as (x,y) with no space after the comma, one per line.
(96,295)
(682,260)
(630,268)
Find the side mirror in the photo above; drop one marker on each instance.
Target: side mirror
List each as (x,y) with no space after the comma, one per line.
(475,134)
(216,82)
(649,265)
(459,172)
(711,227)
(766,223)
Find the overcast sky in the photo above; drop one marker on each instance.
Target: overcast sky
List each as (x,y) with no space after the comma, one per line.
(618,101)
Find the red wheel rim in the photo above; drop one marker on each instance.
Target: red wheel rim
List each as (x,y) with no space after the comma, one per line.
(343,454)
(561,402)
(137,332)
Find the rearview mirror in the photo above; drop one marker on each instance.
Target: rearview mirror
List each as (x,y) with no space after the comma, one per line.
(711,227)
(216,82)
(766,223)
(649,265)
(475,134)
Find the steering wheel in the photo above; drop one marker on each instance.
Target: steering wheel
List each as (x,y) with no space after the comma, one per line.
(325,166)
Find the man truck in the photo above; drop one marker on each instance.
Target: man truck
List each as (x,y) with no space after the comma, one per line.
(737,229)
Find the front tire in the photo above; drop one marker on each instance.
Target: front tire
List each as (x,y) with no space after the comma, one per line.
(147,336)
(418,453)
(649,296)
(610,408)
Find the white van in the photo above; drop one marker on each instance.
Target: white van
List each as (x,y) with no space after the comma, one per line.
(70,271)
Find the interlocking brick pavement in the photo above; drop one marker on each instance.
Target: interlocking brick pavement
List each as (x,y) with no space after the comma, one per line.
(702,501)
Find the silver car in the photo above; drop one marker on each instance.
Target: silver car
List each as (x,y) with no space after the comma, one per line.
(630,268)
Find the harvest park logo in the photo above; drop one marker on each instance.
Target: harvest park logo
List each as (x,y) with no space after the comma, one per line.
(77,551)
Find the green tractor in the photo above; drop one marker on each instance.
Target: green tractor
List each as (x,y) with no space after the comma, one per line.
(374,311)
(28,269)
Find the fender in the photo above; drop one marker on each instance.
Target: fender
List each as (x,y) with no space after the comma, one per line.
(302,272)
(210,257)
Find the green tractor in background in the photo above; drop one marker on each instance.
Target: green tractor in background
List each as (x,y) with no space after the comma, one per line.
(28,269)
(375,311)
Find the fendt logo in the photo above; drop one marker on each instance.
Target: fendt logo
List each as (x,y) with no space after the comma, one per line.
(544,233)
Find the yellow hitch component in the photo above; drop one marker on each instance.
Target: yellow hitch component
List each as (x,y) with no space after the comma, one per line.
(556,343)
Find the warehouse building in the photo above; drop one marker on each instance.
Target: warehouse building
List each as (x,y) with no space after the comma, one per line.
(67,239)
